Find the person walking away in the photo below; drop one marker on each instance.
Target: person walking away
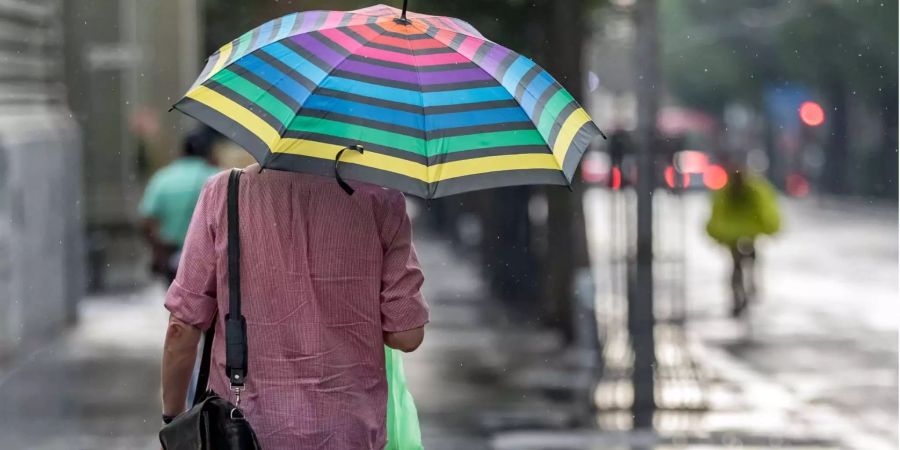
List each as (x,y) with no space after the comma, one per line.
(327,280)
(169,200)
(746,208)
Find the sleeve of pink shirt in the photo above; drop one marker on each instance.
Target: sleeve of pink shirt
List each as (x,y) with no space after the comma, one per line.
(402,305)
(192,296)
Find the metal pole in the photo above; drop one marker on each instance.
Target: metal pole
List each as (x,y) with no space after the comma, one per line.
(405,3)
(587,344)
(640,312)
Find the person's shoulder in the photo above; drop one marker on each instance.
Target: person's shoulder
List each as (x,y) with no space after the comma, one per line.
(163,173)
(717,195)
(163,179)
(216,185)
(382,196)
(387,205)
(762,186)
(218,178)
(173,171)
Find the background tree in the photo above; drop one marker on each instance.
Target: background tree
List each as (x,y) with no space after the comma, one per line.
(848,52)
(538,280)
(716,53)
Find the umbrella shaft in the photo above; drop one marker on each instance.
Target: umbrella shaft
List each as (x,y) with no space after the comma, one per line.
(403,15)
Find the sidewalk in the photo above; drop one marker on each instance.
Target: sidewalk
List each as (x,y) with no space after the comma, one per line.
(476,372)
(479,381)
(96,387)
(505,387)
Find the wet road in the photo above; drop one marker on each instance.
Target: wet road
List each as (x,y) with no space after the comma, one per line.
(824,332)
(826,324)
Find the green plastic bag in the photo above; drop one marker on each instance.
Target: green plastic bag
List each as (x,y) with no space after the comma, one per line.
(403,431)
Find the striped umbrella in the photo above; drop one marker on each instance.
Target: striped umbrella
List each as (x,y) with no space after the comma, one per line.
(429,105)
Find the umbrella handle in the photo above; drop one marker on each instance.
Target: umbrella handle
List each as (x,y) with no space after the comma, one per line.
(337,175)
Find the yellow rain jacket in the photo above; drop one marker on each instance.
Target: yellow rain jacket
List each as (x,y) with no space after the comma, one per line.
(746,214)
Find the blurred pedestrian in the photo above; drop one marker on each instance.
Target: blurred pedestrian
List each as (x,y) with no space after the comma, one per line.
(328,279)
(170,197)
(746,208)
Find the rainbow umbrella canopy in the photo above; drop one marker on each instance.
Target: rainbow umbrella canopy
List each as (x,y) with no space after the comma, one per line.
(430,106)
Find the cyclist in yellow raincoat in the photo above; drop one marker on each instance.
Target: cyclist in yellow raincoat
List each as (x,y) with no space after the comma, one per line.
(744,209)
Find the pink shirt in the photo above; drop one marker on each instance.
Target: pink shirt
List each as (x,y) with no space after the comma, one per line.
(323,274)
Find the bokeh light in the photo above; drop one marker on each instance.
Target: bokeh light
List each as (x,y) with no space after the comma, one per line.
(595,167)
(797,185)
(669,175)
(715,177)
(691,161)
(616,181)
(812,114)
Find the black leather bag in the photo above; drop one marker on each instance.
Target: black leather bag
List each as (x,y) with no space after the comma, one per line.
(214,423)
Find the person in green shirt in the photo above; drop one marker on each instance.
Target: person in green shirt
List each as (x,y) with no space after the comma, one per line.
(746,208)
(169,200)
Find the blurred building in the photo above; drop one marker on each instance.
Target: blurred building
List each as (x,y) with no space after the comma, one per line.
(41,270)
(127,62)
(85,87)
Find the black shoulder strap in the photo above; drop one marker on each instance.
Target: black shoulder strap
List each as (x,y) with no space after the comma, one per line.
(235,326)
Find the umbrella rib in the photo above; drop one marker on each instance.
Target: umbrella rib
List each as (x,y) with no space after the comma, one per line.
(431,21)
(499,82)
(561,164)
(424,118)
(298,16)
(319,85)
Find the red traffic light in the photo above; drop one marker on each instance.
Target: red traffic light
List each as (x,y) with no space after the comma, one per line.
(812,114)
